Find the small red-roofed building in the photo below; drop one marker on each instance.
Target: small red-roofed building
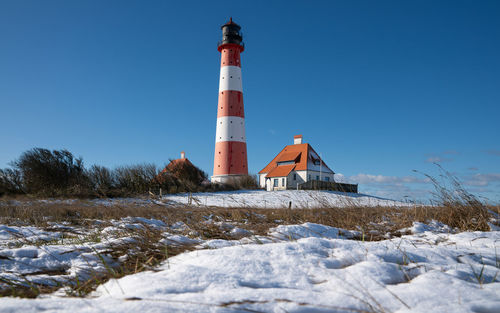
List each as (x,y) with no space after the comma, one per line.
(182,169)
(295,165)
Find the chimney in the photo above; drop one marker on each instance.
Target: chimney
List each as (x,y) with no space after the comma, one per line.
(297,139)
(183,155)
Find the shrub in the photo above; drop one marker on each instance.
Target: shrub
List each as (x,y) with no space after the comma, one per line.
(49,173)
(243,182)
(10,181)
(102,180)
(135,179)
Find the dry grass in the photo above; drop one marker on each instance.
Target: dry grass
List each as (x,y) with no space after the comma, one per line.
(367,219)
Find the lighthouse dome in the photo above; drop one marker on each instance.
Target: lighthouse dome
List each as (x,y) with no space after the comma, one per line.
(231,33)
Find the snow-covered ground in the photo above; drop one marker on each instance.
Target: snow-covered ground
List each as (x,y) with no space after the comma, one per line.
(60,253)
(295,268)
(280,199)
(303,199)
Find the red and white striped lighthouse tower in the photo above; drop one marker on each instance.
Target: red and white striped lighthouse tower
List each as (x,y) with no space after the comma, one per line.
(230,159)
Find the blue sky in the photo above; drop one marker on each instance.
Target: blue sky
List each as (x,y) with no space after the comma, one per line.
(379,88)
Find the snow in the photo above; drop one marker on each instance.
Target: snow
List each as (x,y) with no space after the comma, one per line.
(280,199)
(25,233)
(432,226)
(293,232)
(301,268)
(61,254)
(240,199)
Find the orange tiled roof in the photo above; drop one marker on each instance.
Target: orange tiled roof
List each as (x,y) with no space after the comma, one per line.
(281,170)
(301,150)
(289,156)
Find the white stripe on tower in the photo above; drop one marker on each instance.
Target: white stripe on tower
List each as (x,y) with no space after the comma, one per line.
(230,128)
(230,78)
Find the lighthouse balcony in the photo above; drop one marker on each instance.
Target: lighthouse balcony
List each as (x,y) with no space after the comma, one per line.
(224,42)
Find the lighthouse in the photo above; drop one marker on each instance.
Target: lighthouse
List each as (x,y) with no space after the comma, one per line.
(230,159)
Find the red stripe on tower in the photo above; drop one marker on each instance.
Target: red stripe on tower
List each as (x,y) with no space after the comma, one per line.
(230,159)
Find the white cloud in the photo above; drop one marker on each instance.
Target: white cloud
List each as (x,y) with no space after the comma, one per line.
(494,152)
(441,157)
(381,179)
(391,187)
(437,159)
(482,179)
(414,187)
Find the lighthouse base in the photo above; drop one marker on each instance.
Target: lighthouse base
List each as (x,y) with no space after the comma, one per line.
(226,179)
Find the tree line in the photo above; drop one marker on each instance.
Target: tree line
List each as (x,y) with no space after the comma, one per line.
(58,173)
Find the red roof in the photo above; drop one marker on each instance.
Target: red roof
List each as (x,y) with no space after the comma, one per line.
(289,156)
(300,151)
(281,170)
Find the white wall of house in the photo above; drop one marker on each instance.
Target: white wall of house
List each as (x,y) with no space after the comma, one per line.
(317,175)
(262,180)
(317,167)
(293,179)
(276,183)
(300,177)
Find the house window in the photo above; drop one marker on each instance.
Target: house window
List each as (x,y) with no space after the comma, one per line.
(309,177)
(327,178)
(285,162)
(275,182)
(294,176)
(317,177)
(282,182)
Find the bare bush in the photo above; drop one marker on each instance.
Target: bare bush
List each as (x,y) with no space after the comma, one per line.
(238,183)
(102,180)
(10,181)
(135,179)
(50,173)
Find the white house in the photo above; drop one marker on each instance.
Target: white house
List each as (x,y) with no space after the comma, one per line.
(294,165)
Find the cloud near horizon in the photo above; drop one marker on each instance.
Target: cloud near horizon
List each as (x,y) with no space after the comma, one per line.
(381,179)
(434,159)
(482,179)
(493,152)
(391,187)
(403,187)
